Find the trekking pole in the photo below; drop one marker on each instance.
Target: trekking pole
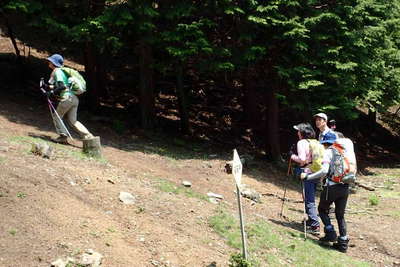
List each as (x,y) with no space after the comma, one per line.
(59,118)
(53,110)
(304,210)
(285,187)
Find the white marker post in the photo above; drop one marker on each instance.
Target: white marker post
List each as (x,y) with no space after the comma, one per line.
(237,174)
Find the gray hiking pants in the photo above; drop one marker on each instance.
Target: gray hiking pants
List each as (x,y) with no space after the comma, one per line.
(69,108)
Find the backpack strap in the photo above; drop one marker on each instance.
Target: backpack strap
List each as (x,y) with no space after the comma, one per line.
(309,144)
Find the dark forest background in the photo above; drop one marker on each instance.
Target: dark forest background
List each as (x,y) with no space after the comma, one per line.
(223,71)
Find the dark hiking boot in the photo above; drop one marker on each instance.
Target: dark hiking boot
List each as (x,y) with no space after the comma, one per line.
(341,245)
(330,235)
(314,230)
(62,139)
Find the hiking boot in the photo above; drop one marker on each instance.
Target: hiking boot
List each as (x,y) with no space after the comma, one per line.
(330,235)
(341,245)
(62,139)
(87,136)
(314,230)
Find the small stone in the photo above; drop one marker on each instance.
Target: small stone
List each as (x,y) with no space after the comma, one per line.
(111,181)
(59,263)
(91,258)
(186,183)
(361,237)
(155,263)
(127,198)
(207,165)
(211,194)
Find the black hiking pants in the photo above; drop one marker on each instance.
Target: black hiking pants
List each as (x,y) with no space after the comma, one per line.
(337,194)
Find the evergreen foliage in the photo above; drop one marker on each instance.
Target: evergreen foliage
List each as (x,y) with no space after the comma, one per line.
(313,55)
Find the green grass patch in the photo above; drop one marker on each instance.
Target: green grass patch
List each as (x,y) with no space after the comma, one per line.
(269,245)
(169,187)
(12,232)
(62,150)
(373,200)
(21,195)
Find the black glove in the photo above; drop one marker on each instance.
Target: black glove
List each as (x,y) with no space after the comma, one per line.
(48,93)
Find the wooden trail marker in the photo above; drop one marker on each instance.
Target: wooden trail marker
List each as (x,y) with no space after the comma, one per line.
(237,174)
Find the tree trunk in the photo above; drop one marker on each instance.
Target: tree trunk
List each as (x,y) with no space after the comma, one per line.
(250,102)
(371,118)
(91,76)
(20,63)
(147,103)
(272,114)
(10,34)
(182,99)
(94,67)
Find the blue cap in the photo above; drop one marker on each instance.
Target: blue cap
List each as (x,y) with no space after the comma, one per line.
(328,138)
(57,60)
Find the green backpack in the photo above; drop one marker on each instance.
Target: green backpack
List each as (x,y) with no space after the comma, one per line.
(317,153)
(76,82)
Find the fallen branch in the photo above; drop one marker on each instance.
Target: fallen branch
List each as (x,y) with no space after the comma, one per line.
(281,198)
(365,186)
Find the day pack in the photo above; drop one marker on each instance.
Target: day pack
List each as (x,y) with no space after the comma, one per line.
(343,166)
(317,153)
(76,82)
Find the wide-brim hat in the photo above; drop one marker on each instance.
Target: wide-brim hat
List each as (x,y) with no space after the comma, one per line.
(57,60)
(328,138)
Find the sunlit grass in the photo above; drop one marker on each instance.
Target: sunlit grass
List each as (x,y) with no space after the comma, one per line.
(271,246)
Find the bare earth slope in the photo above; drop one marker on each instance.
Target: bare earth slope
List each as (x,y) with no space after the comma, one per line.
(59,207)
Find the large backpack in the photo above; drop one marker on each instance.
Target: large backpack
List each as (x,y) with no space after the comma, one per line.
(76,82)
(317,153)
(343,166)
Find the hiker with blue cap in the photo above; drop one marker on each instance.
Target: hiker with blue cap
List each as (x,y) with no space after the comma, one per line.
(67,101)
(333,192)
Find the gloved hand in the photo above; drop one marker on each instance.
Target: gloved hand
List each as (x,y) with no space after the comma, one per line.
(44,86)
(48,93)
(303,176)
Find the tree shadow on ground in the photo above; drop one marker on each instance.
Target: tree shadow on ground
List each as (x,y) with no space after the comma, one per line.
(25,105)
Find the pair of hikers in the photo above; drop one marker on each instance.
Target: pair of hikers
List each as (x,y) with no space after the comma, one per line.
(60,88)
(317,163)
